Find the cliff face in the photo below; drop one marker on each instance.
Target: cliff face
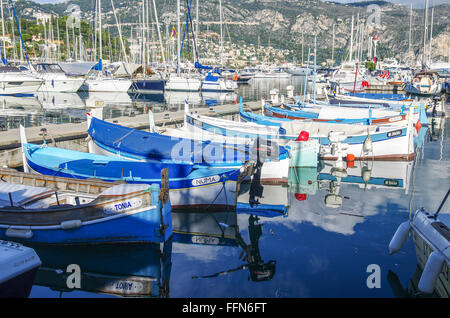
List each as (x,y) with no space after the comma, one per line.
(282,23)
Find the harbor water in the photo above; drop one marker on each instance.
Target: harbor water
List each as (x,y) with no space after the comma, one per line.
(328,238)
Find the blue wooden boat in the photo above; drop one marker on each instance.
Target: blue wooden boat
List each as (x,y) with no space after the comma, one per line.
(346,117)
(190,186)
(125,213)
(111,139)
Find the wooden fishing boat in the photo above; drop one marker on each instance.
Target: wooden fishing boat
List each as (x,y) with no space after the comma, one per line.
(198,149)
(124,213)
(190,186)
(334,115)
(111,139)
(380,142)
(363,101)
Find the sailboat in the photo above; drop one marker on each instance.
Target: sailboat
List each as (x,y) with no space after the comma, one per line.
(97,81)
(181,81)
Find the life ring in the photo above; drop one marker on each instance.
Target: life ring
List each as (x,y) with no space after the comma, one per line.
(235,78)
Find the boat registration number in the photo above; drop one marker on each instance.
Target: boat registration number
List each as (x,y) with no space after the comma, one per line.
(394,133)
(196,239)
(120,207)
(205,180)
(391,183)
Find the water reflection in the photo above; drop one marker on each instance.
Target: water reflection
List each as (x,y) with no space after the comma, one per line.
(130,271)
(284,240)
(53,100)
(221,229)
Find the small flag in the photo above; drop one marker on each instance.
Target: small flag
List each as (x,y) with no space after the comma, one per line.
(174,32)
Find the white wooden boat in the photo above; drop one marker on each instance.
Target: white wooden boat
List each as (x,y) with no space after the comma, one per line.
(382,142)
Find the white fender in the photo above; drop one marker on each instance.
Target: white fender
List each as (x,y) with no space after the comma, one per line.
(399,237)
(23,141)
(70,224)
(19,233)
(151,121)
(367,146)
(432,269)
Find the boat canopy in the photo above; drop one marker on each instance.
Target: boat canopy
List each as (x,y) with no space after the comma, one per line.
(203,67)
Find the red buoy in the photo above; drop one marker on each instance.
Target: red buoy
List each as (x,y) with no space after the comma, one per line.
(304,136)
(418,125)
(301,196)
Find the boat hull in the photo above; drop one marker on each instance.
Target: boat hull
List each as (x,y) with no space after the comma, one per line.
(148,85)
(66,85)
(19,87)
(106,85)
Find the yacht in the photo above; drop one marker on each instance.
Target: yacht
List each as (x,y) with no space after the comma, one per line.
(300,70)
(425,83)
(216,83)
(101,83)
(348,77)
(272,72)
(14,81)
(183,83)
(56,80)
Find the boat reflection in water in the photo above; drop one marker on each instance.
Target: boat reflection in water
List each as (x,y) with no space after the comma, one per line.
(332,196)
(221,229)
(130,271)
(56,100)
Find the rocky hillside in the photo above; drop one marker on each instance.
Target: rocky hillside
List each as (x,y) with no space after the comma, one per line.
(281,23)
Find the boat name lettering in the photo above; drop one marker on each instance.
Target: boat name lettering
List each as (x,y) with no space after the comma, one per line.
(127,286)
(396,118)
(205,180)
(122,206)
(394,133)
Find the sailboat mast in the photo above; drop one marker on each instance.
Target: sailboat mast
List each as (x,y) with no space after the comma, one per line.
(196,22)
(159,35)
(425,31)
(100,27)
(221,34)
(431,37)
(332,49)
(120,33)
(58,48)
(303,44)
(410,29)
(178,38)
(3,31)
(315,68)
(351,42)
